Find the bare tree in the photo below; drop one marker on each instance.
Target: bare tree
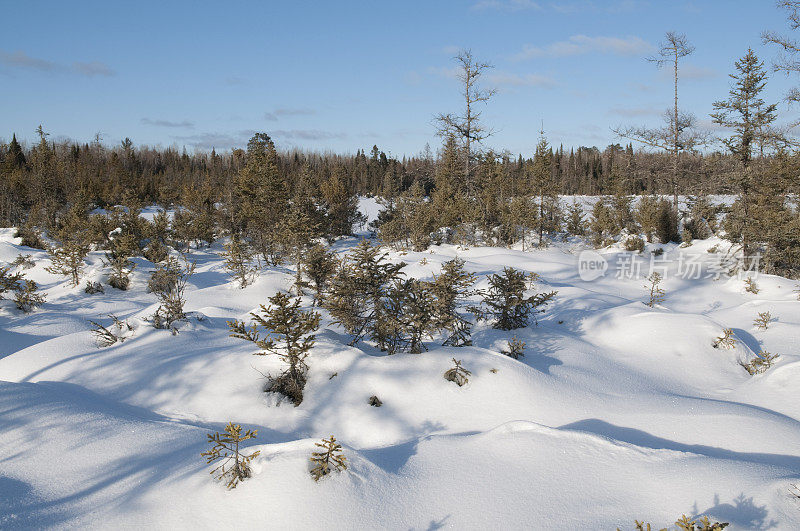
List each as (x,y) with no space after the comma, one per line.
(679,133)
(789,62)
(467,126)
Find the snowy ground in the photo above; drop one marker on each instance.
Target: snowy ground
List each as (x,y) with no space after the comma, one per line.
(617,411)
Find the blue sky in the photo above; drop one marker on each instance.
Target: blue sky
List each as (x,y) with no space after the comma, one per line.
(341,76)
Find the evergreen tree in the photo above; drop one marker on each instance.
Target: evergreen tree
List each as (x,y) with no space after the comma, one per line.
(358,291)
(318,265)
(289,335)
(451,289)
(73,235)
(226,448)
(544,190)
(118,258)
(340,207)
(505,301)
(238,256)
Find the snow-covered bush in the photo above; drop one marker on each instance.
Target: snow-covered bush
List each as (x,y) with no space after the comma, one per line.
(457,374)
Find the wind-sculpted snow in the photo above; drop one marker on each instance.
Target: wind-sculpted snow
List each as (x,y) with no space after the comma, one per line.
(616,412)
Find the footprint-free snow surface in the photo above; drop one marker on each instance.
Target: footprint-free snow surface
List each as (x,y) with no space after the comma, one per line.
(616,412)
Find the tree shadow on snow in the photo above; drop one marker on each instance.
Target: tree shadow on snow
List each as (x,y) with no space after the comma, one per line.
(646,440)
(742,512)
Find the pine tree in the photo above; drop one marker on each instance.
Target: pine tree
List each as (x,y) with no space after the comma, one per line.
(169,283)
(340,207)
(289,335)
(451,289)
(238,256)
(750,118)
(26,297)
(357,295)
(505,301)
(226,448)
(262,194)
(544,189)
(68,259)
(329,459)
(118,258)
(656,292)
(318,265)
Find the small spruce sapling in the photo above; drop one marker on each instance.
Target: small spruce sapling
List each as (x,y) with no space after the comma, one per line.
(327,460)
(289,335)
(751,286)
(226,448)
(656,292)
(457,374)
(726,340)
(238,256)
(93,287)
(505,301)
(26,297)
(23,261)
(106,337)
(318,265)
(451,289)
(763,320)
(118,259)
(759,365)
(515,349)
(169,283)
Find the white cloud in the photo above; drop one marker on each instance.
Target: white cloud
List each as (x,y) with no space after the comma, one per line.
(583,44)
(507,5)
(516,80)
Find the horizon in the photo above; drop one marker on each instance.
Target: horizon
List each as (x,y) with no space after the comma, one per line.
(575,66)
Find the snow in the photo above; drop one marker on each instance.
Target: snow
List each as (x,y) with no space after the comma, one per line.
(616,412)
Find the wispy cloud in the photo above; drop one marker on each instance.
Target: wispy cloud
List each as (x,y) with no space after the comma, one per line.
(516,80)
(23,61)
(234,80)
(277,114)
(690,71)
(20,59)
(507,5)
(583,44)
(306,134)
(167,123)
(94,68)
(218,140)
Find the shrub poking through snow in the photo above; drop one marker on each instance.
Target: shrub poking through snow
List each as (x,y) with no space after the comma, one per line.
(750,286)
(226,448)
(289,335)
(634,243)
(237,256)
(760,364)
(105,337)
(169,282)
(23,261)
(451,290)
(726,340)
(375,401)
(93,287)
(656,292)
(8,281)
(505,301)
(763,320)
(26,297)
(318,265)
(515,349)
(686,524)
(329,459)
(118,258)
(457,374)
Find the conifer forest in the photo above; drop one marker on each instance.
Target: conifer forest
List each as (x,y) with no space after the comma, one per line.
(269,330)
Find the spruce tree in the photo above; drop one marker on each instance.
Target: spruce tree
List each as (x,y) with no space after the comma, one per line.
(318,265)
(289,335)
(73,235)
(238,256)
(506,303)
(358,290)
(451,289)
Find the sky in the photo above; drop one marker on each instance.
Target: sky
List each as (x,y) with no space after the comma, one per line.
(341,76)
